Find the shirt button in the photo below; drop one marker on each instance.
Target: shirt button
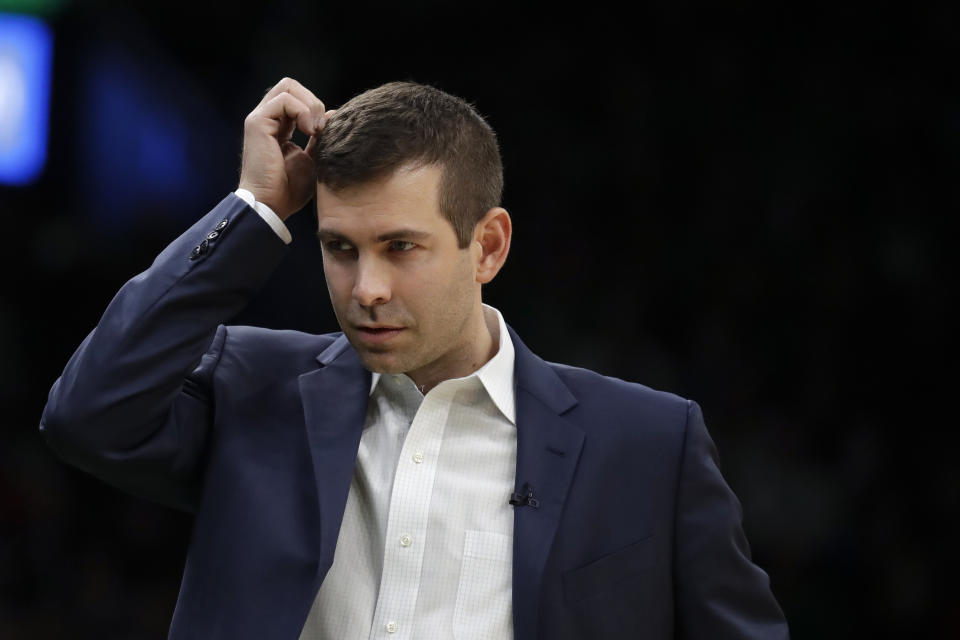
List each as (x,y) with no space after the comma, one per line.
(418,457)
(406,540)
(391,627)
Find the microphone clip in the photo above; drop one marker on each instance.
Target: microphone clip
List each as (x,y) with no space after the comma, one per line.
(524,498)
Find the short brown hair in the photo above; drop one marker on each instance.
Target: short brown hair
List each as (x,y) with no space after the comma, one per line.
(402,123)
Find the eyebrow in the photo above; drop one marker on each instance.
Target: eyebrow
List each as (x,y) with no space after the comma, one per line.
(397,234)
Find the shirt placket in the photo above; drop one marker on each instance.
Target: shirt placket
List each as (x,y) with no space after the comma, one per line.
(407,522)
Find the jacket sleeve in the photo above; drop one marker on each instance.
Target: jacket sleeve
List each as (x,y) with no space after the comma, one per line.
(135,403)
(720,592)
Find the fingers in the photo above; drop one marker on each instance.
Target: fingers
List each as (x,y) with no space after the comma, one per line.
(283,113)
(311,147)
(301,93)
(314,141)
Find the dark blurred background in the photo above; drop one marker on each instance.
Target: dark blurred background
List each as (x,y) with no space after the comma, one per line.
(749,204)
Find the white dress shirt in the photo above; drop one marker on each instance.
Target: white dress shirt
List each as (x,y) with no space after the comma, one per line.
(426,545)
(425,549)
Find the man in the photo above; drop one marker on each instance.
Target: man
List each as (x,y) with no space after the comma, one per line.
(422,475)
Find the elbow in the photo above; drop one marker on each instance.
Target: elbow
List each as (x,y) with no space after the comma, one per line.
(55,424)
(53,420)
(62,424)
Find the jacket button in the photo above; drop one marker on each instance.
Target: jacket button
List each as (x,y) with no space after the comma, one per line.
(221,224)
(213,235)
(199,250)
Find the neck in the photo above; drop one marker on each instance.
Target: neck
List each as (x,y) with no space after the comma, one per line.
(483,341)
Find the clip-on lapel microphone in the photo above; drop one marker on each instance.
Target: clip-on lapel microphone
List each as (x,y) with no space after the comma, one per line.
(524,498)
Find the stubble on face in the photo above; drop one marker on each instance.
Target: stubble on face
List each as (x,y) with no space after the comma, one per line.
(439,336)
(433,292)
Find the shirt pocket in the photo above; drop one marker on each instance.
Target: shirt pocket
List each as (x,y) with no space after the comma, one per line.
(611,570)
(483,608)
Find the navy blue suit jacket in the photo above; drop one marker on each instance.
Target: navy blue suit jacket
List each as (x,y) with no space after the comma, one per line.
(256,432)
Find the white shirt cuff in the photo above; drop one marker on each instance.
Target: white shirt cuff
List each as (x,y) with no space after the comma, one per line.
(267,214)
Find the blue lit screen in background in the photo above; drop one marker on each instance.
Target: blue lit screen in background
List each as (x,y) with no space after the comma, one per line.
(26,51)
(147,139)
(136,137)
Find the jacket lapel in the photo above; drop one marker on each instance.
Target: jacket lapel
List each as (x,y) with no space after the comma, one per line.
(548,448)
(334,409)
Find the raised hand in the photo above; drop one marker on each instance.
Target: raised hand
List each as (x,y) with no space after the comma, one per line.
(275,169)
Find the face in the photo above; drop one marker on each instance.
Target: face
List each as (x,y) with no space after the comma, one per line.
(403,291)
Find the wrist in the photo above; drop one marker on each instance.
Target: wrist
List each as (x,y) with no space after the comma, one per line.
(266,213)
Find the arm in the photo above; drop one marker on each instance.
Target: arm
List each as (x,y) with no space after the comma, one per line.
(135,403)
(720,593)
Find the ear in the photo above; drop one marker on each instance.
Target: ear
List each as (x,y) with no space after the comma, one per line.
(491,243)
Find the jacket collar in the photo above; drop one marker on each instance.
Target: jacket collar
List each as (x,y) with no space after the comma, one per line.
(537,378)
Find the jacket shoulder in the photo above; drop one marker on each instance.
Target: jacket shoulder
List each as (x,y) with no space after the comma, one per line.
(279,337)
(587,382)
(283,350)
(623,409)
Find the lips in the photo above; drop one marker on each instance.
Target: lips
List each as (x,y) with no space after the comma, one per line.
(378,333)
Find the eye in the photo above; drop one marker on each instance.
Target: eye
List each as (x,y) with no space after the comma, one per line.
(339,246)
(401,245)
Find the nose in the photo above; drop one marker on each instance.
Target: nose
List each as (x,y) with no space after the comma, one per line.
(372,286)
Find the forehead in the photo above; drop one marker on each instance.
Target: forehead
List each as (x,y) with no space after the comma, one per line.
(408,196)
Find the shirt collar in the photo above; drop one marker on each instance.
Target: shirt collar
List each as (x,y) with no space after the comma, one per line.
(496,374)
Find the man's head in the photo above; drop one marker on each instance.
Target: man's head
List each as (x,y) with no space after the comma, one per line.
(405,123)
(410,180)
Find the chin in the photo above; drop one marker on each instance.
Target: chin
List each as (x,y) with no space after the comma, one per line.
(383,362)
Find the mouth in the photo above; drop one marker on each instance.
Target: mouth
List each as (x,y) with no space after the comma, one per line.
(376,334)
